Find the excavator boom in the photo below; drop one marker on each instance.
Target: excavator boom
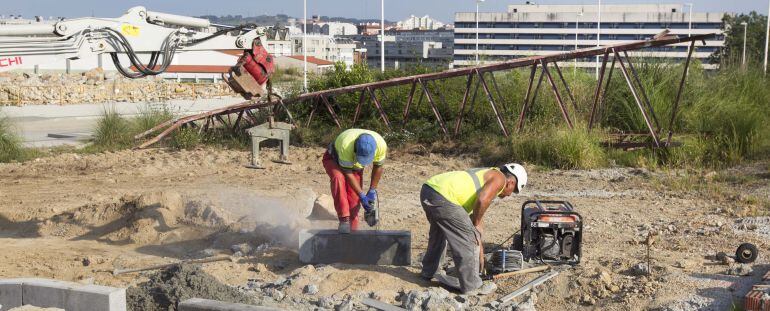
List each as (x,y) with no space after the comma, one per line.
(148,40)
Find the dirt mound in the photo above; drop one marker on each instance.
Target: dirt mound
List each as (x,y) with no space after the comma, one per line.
(165,289)
(153,217)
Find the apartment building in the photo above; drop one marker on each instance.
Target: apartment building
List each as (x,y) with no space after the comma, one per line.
(421,23)
(528,29)
(404,48)
(327,47)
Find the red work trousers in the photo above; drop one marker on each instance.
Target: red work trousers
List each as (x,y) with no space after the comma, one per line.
(345,198)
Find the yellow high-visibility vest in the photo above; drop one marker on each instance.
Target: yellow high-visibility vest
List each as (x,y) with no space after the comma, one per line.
(460,187)
(344,146)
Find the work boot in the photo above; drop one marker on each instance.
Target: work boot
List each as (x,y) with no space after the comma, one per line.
(344,227)
(485,289)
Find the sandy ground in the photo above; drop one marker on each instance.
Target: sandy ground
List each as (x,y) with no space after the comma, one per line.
(77,217)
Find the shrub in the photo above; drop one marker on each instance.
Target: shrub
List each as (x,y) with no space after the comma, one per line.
(149,116)
(559,148)
(112,131)
(729,115)
(10,144)
(186,138)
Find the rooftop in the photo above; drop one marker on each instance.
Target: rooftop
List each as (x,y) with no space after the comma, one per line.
(312,60)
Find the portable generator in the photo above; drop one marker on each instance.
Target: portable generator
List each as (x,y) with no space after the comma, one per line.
(551,232)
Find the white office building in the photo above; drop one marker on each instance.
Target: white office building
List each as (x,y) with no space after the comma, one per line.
(420,23)
(527,30)
(338,29)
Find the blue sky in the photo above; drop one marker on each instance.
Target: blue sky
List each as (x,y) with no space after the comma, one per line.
(394,9)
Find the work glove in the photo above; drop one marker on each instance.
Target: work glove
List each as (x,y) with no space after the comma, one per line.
(371,196)
(364,201)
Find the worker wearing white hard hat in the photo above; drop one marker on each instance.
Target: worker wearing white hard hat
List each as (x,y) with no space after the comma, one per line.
(455,204)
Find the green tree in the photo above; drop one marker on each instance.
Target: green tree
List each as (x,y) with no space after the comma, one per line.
(732,53)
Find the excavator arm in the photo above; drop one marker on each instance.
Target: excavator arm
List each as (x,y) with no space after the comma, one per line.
(148,40)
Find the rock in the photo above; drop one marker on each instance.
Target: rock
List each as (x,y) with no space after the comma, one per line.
(238,254)
(261,248)
(310,289)
(494,305)
(325,302)
(529,304)
(605,278)
(259,267)
(740,270)
(94,75)
(413,300)
(323,208)
(685,264)
(274,293)
(436,304)
(207,252)
(640,269)
(587,300)
(346,305)
(253,284)
(244,248)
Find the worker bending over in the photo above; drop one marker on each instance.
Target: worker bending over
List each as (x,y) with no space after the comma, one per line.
(344,162)
(448,199)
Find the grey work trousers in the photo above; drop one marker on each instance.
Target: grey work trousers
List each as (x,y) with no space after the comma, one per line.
(450,223)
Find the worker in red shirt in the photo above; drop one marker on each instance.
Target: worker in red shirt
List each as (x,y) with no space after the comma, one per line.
(344,161)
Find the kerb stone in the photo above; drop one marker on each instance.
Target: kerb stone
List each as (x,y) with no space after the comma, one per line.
(72,296)
(366,247)
(198,304)
(10,294)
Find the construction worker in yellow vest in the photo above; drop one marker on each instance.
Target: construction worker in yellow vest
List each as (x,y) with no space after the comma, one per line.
(455,204)
(344,162)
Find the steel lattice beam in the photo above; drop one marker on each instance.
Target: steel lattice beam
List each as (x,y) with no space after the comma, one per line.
(616,52)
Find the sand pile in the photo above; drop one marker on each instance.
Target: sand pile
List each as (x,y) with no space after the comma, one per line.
(154,217)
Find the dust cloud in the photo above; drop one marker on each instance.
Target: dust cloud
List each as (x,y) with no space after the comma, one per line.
(277,218)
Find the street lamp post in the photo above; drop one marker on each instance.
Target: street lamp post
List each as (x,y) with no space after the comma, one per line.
(689,24)
(745,30)
(598,37)
(382,35)
(477,30)
(304,46)
(767,36)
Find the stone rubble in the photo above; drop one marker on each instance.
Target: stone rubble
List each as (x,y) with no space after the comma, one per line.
(96,86)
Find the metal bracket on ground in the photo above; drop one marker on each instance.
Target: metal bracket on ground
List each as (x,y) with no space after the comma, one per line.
(272,130)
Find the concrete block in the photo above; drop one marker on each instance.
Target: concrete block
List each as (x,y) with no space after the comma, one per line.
(72,296)
(198,304)
(10,294)
(367,247)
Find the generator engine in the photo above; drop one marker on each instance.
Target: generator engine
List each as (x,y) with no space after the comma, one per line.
(551,232)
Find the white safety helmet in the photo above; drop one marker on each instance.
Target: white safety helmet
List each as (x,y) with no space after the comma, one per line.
(517,170)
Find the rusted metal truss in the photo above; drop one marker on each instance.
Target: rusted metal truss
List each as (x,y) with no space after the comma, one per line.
(547,66)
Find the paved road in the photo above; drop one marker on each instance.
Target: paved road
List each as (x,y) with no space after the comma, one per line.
(54,125)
